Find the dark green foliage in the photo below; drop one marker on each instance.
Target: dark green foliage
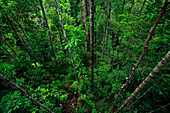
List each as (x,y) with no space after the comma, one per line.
(52,81)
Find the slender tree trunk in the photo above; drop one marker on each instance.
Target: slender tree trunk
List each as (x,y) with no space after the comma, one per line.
(61,41)
(159,108)
(123,5)
(92,37)
(28,42)
(9,46)
(14,27)
(69,49)
(134,81)
(24,32)
(112,108)
(147,41)
(21,29)
(104,35)
(105,23)
(9,53)
(49,34)
(71,4)
(132,5)
(85,23)
(10,22)
(109,9)
(95,33)
(81,14)
(15,86)
(144,50)
(147,79)
(148,90)
(19,37)
(142,7)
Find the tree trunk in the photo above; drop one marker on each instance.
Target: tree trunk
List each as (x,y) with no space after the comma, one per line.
(69,49)
(132,5)
(10,22)
(105,24)
(71,4)
(26,42)
(61,41)
(24,32)
(42,8)
(144,50)
(147,79)
(81,14)
(123,5)
(9,46)
(159,108)
(147,41)
(142,7)
(148,89)
(92,37)
(21,29)
(95,33)
(85,23)
(109,9)
(9,53)
(15,86)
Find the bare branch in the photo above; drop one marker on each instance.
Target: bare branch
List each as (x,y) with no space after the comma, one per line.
(13,85)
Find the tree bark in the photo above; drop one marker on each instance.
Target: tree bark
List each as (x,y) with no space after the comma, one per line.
(123,5)
(9,46)
(13,85)
(147,41)
(132,5)
(69,49)
(24,32)
(9,53)
(105,23)
(85,23)
(92,37)
(71,4)
(10,22)
(142,7)
(147,79)
(148,90)
(159,108)
(49,34)
(61,41)
(145,47)
(21,29)
(81,14)
(26,42)
(109,9)
(20,38)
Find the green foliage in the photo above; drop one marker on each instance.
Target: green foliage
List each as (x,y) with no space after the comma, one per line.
(14,101)
(52,81)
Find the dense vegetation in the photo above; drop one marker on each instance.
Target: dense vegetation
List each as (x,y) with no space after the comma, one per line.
(84,56)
